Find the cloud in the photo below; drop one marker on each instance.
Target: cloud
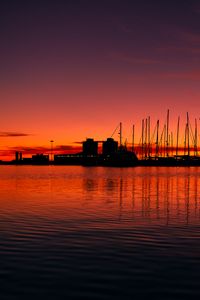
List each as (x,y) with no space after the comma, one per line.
(190,37)
(172,49)
(186,42)
(30,149)
(193,75)
(13,134)
(133,60)
(45,149)
(64,147)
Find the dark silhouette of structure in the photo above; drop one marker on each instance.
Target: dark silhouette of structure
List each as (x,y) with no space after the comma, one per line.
(112,155)
(18,156)
(35,159)
(157,147)
(90,148)
(109,147)
(68,159)
(40,159)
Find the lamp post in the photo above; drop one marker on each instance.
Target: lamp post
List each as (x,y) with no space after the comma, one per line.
(51,150)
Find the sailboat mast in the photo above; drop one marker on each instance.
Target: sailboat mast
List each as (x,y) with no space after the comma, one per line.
(172,141)
(157,136)
(149,137)
(146,124)
(185,139)
(133,138)
(167,133)
(142,137)
(195,139)
(188,135)
(177,137)
(120,134)
(164,147)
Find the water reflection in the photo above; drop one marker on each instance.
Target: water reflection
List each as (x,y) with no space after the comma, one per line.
(169,197)
(67,231)
(140,195)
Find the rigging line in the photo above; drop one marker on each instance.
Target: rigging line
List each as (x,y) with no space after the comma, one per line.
(115,130)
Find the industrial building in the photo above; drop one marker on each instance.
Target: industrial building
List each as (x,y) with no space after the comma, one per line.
(110,146)
(90,147)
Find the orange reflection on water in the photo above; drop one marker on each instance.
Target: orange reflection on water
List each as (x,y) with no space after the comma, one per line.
(107,196)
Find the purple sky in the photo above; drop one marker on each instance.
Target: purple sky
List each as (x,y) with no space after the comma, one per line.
(72,69)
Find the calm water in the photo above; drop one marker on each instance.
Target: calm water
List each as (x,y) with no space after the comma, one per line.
(99,233)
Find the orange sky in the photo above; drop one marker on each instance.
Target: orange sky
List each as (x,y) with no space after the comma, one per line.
(71,72)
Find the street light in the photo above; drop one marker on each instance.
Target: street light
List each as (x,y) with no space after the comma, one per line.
(51,150)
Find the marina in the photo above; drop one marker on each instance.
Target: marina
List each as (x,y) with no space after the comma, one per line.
(157,146)
(100,150)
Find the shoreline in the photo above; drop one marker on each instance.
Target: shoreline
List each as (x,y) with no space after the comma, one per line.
(146,163)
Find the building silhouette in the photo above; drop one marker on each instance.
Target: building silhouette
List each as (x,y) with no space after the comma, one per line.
(40,158)
(18,156)
(90,147)
(110,146)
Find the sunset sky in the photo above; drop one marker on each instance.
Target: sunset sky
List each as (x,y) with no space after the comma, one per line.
(74,69)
